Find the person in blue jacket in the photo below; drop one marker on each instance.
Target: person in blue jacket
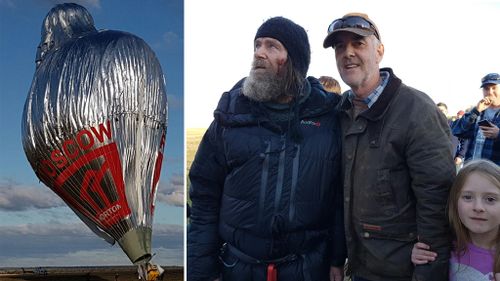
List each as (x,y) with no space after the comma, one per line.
(481,124)
(265,185)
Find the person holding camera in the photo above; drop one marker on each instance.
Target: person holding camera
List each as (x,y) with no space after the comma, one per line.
(481,124)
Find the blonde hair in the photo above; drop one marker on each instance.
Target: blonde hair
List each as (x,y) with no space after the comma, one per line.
(330,84)
(488,170)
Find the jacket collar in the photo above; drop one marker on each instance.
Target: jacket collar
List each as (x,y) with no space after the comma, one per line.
(381,105)
(234,109)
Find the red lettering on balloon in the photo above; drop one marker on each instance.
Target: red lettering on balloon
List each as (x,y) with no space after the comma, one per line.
(67,144)
(99,134)
(81,139)
(58,158)
(87,174)
(71,149)
(48,169)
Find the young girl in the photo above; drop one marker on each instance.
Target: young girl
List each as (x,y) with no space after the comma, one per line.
(474,215)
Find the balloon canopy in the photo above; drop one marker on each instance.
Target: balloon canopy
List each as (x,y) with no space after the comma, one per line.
(94,126)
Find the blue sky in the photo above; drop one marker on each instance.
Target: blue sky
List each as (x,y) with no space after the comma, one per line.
(36,228)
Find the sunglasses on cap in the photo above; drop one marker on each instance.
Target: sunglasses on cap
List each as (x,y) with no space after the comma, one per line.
(490,77)
(353,22)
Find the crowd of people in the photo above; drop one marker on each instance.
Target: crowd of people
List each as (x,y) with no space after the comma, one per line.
(466,134)
(292,182)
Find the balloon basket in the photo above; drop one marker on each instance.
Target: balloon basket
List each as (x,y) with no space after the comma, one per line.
(136,243)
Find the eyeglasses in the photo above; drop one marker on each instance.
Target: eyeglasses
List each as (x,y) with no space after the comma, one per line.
(489,77)
(353,22)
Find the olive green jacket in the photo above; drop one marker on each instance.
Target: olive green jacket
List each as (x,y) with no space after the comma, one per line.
(397,171)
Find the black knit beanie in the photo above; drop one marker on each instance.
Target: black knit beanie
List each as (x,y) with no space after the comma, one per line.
(292,36)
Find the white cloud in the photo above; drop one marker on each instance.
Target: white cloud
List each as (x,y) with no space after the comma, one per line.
(170,39)
(102,257)
(75,245)
(172,193)
(19,197)
(174,102)
(54,228)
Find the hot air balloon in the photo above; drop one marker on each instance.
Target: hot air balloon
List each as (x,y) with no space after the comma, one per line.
(94,126)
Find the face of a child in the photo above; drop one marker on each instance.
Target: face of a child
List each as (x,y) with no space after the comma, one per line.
(479,208)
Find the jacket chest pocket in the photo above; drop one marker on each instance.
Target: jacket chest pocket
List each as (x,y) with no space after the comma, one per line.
(383,193)
(252,158)
(391,196)
(244,145)
(319,170)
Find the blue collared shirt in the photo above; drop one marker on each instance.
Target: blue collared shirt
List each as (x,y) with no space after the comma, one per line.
(373,97)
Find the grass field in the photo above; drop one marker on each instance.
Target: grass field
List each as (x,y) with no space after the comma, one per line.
(193,138)
(103,273)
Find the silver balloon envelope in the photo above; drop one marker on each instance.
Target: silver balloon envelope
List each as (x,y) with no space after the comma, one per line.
(94,126)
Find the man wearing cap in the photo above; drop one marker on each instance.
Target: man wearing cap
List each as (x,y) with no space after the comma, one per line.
(265,183)
(481,124)
(397,162)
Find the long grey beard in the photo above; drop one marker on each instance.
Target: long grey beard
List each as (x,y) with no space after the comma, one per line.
(263,87)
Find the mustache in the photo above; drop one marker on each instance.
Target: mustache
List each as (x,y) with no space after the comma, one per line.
(259,63)
(350,61)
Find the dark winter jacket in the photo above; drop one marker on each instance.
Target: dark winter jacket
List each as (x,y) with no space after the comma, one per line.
(398,168)
(467,127)
(267,193)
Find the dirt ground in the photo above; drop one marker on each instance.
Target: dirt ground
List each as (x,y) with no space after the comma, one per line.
(93,274)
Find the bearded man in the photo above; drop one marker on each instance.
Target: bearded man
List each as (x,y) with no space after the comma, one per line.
(265,186)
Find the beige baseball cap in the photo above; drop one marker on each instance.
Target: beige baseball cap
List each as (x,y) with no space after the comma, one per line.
(358,23)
